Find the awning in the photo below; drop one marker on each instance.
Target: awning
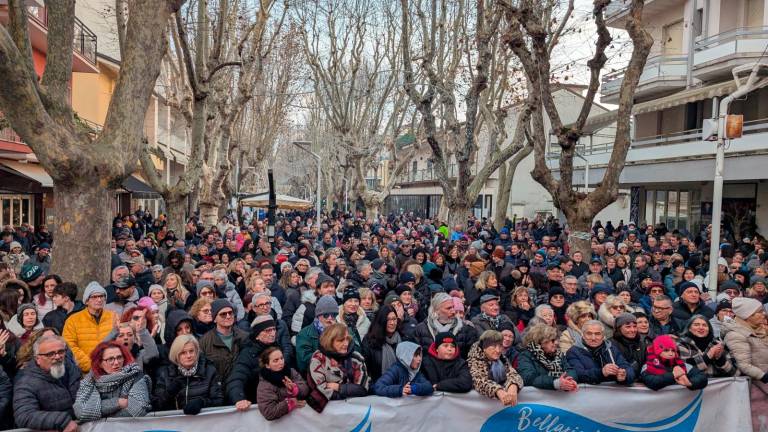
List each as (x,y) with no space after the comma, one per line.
(681,98)
(283,201)
(139,188)
(32,171)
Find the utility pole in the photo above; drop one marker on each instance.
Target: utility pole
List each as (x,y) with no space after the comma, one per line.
(715,128)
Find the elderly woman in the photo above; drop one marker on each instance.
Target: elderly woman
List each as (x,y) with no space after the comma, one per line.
(577,314)
(335,369)
(700,348)
(281,389)
(542,364)
(596,360)
(609,310)
(190,382)
(747,339)
(492,374)
(115,386)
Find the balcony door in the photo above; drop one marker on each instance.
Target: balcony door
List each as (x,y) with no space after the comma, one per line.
(754,13)
(672,34)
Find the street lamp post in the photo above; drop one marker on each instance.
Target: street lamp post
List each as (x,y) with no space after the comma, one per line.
(346,195)
(271,209)
(717,126)
(305,145)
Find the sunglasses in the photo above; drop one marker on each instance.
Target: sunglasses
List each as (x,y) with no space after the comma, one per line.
(328,315)
(226,314)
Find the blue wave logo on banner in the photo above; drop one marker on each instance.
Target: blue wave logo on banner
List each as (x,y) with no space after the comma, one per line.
(365,425)
(536,417)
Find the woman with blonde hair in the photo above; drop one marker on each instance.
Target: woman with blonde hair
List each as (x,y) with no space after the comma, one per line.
(179,296)
(612,307)
(519,307)
(577,314)
(335,369)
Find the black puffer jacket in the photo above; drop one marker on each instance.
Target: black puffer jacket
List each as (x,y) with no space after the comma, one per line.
(175,391)
(6,397)
(632,350)
(244,379)
(42,402)
(447,375)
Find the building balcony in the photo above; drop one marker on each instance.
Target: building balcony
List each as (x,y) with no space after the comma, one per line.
(617,11)
(84,43)
(714,57)
(662,74)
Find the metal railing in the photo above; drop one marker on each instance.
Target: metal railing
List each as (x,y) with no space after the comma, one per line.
(615,8)
(735,34)
(84,41)
(654,68)
(426,174)
(7,134)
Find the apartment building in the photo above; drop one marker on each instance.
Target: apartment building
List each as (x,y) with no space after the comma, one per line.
(26,190)
(669,169)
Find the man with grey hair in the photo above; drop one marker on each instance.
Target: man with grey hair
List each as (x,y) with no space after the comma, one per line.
(118,273)
(596,360)
(358,278)
(46,388)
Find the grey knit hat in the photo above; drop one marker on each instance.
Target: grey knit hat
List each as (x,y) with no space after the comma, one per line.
(326,305)
(624,318)
(20,312)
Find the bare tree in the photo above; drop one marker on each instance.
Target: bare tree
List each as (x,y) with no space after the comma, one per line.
(352,50)
(85,166)
(532,33)
(450,49)
(213,64)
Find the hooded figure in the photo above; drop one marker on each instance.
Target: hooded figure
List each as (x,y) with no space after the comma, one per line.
(403,378)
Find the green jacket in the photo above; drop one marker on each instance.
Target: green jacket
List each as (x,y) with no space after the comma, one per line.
(535,374)
(307,342)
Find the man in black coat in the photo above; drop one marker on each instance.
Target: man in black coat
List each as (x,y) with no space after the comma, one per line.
(65,300)
(244,378)
(46,388)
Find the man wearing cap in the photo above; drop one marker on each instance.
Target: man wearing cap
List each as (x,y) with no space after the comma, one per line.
(308,339)
(690,303)
(490,317)
(32,274)
(126,295)
(223,343)
(242,383)
(140,273)
(42,258)
(85,329)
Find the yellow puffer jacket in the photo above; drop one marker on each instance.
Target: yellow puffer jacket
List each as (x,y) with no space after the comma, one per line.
(83,333)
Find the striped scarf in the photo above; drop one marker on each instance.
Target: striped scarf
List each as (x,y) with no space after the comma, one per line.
(554,365)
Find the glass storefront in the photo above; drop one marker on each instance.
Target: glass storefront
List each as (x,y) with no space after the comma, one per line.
(674,208)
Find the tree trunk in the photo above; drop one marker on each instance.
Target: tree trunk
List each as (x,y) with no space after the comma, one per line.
(83,220)
(505,183)
(580,237)
(176,209)
(209,213)
(459,209)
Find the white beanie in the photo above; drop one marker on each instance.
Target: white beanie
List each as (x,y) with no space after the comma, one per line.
(93,288)
(745,307)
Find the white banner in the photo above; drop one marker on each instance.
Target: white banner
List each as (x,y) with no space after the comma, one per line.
(722,406)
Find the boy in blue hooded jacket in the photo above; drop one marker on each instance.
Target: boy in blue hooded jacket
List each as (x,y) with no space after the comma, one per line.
(403,378)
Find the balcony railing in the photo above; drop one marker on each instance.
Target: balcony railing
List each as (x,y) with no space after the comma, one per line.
(738,42)
(659,67)
(425,175)
(7,134)
(84,41)
(615,8)
(750,127)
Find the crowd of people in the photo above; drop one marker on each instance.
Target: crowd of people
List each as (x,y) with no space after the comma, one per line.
(395,307)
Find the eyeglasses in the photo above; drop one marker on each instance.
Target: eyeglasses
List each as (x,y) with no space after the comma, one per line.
(617,307)
(261,305)
(52,354)
(661,308)
(115,359)
(136,317)
(226,314)
(328,315)
(97,296)
(205,311)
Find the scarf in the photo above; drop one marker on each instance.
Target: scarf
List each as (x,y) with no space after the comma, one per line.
(318,326)
(92,388)
(493,321)
(350,319)
(275,377)
(498,372)
(702,343)
(436,327)
(554,365)
(388,357)
(187,372)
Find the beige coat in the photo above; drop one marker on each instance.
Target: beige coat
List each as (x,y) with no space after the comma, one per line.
(749,350)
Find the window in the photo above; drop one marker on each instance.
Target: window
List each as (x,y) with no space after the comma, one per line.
(16,210)
(698,22)
(676,209)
